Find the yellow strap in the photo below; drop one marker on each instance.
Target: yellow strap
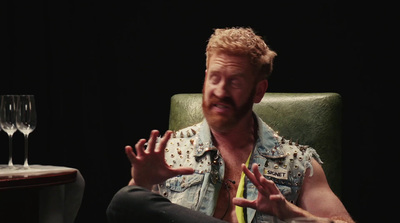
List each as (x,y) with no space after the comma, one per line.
(239,210)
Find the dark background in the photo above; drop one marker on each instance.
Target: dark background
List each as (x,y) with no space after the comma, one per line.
(103,72)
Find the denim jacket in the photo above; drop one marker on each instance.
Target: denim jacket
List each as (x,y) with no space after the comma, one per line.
(278,159)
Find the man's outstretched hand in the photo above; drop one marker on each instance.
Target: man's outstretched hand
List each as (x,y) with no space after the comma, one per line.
(148,164)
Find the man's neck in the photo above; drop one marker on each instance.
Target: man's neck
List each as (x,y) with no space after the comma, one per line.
(239,137)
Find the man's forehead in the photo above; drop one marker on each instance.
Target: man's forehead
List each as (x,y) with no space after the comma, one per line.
(231,67)
(239,62)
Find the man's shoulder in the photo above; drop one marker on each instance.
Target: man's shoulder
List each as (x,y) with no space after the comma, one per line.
(187,132)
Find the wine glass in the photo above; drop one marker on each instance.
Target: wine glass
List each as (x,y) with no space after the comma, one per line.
(8,121)
(26,119)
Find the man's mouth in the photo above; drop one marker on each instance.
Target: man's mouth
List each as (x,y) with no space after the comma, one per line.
(221,106)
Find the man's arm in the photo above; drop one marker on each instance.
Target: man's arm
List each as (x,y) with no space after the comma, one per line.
(317,197)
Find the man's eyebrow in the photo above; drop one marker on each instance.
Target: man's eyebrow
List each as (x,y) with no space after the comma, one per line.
(232,74)
(213,71)
(240,74)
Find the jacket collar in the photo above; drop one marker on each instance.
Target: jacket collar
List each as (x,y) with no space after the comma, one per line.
(267,145)
(204,143)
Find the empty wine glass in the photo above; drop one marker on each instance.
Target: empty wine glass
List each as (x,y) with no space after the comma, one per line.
(8,121)
(26,119)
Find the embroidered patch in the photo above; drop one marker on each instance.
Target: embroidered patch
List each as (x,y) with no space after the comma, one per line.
(278,173)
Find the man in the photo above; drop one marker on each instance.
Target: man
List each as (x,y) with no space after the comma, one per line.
(231,166)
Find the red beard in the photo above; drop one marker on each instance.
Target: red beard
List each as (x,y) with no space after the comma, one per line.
(226,121)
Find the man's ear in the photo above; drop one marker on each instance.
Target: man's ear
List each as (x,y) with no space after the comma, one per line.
(204,82)
(261,88)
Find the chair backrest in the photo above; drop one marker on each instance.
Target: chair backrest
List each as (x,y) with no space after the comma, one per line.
(313,119)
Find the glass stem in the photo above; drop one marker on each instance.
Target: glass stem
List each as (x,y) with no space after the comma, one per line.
(26,165)
(10,155)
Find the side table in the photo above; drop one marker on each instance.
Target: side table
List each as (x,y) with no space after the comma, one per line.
(40,193)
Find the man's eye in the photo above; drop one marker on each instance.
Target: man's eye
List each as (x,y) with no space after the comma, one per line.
(214,79)
(235,83)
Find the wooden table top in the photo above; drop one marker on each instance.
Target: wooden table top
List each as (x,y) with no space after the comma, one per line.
(36,176)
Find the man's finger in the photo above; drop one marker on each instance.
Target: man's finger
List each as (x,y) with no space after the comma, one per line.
(265,188)
(152,141)
(269,185)
(256,172)
(163,142)
(250,175)
(244,202)
(140,147)
(130,154)
(183,171)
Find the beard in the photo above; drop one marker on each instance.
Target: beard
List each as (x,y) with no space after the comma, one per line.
(223,123)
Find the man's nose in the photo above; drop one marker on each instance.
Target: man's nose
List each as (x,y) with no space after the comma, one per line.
(222,89)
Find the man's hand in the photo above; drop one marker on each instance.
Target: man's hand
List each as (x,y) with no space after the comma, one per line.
(316,195)
(148,164)
(269,200)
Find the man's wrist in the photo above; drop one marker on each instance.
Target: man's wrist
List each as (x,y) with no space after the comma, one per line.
(131,182)
(292,211)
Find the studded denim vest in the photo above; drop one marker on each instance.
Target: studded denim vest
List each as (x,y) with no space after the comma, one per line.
(280,160)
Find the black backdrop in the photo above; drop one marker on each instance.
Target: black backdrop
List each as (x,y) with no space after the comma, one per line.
(103,73)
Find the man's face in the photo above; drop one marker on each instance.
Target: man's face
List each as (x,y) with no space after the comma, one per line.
(228,90)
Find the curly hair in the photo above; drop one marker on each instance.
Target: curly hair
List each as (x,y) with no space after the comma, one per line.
(242,41)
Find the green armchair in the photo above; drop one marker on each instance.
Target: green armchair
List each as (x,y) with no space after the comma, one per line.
(313,119)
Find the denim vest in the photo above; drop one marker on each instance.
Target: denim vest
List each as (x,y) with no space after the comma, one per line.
(278,159)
